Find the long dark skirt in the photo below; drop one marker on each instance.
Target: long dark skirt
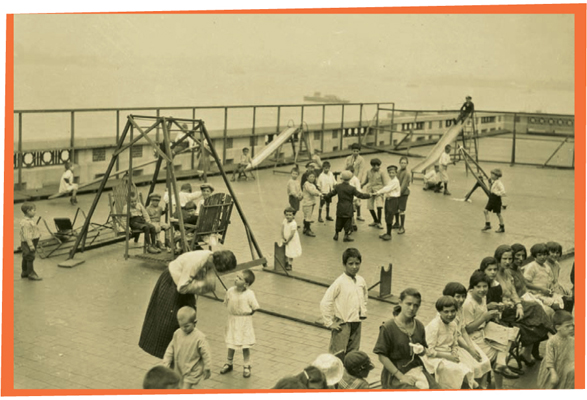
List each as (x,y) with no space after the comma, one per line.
(161,318)
(535,325)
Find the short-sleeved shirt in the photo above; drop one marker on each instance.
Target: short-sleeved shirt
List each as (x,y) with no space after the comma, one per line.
(540,275)
(404,180)
(66,183)
(444,160)
(240,303)
(394,344)
(154,213)
(473,310)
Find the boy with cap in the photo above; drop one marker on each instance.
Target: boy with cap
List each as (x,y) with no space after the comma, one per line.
(155,211)
(344,209)
(357,366)
(495,204)
(311,168)
(466,109)
(356,161)
(443,162)
(392,191)
(140,221)
(372,184)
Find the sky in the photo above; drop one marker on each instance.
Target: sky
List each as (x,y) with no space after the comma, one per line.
(148,60)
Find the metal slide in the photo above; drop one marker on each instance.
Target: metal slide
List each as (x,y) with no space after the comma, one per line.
(436,152)
(271,147)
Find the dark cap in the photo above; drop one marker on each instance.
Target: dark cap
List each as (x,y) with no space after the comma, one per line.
(356,361)
(468,98)
(392,167)
(155,196)
(190,205)
(186,187)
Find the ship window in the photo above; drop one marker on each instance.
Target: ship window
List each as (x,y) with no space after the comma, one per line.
(316,135)
(99,154)
(335,134)
(335,148)
(137,151)
(229,143)
(430,125)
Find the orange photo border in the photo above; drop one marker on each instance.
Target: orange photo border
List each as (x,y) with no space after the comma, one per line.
(578,10)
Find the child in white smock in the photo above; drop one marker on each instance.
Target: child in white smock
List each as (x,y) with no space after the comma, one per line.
(241,304)
(291,239)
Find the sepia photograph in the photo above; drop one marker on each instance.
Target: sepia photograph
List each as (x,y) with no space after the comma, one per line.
(361,200)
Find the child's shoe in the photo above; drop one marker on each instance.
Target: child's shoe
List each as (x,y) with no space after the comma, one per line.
(355,228)
(487,227)
(320,219)
(247,371)
(160,245)
(34,277)
(359,218)
(348,238)
(501,229)
(226,369)
(373,224)
(395,226)
(310,233)
(335,236)
(152,250)
(288,267)
(447,193)
(401,230)
(329,218)
(379,226)
(385,237)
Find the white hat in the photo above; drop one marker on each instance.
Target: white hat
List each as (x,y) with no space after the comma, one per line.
(331,366)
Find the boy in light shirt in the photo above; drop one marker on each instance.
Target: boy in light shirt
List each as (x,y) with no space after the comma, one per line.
(325,184)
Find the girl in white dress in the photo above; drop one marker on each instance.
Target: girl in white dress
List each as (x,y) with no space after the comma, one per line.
(291,239)
(442,357)
(241,304)
(469,352)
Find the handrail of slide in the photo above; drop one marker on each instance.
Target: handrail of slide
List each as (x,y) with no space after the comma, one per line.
(271,147)
(450,135)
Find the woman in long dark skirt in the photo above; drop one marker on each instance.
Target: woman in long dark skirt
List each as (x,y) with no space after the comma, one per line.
(188,275)
(534,323)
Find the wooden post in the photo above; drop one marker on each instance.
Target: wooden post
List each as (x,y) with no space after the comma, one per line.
(171,172)
(224,135)
(385,281)
(117,136)
(127,229)
(234,198)
(341,128)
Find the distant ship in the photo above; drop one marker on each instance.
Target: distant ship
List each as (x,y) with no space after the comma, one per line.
(327,98)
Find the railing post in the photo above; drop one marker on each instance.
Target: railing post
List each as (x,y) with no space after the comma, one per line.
(278,117)
(341,127)
(225,134)
(19,156)
(514,142)
(72,138)
(117,137)
(193,127)
(377,126)
(322,136)
(391,123)
(254,141)
(157,132)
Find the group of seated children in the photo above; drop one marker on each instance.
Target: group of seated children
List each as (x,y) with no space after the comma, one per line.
(188,360)
(148,219)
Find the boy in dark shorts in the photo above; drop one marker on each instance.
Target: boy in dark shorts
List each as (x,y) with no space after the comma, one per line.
(392,191)
(344,209)
(404,180)
(494,204)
